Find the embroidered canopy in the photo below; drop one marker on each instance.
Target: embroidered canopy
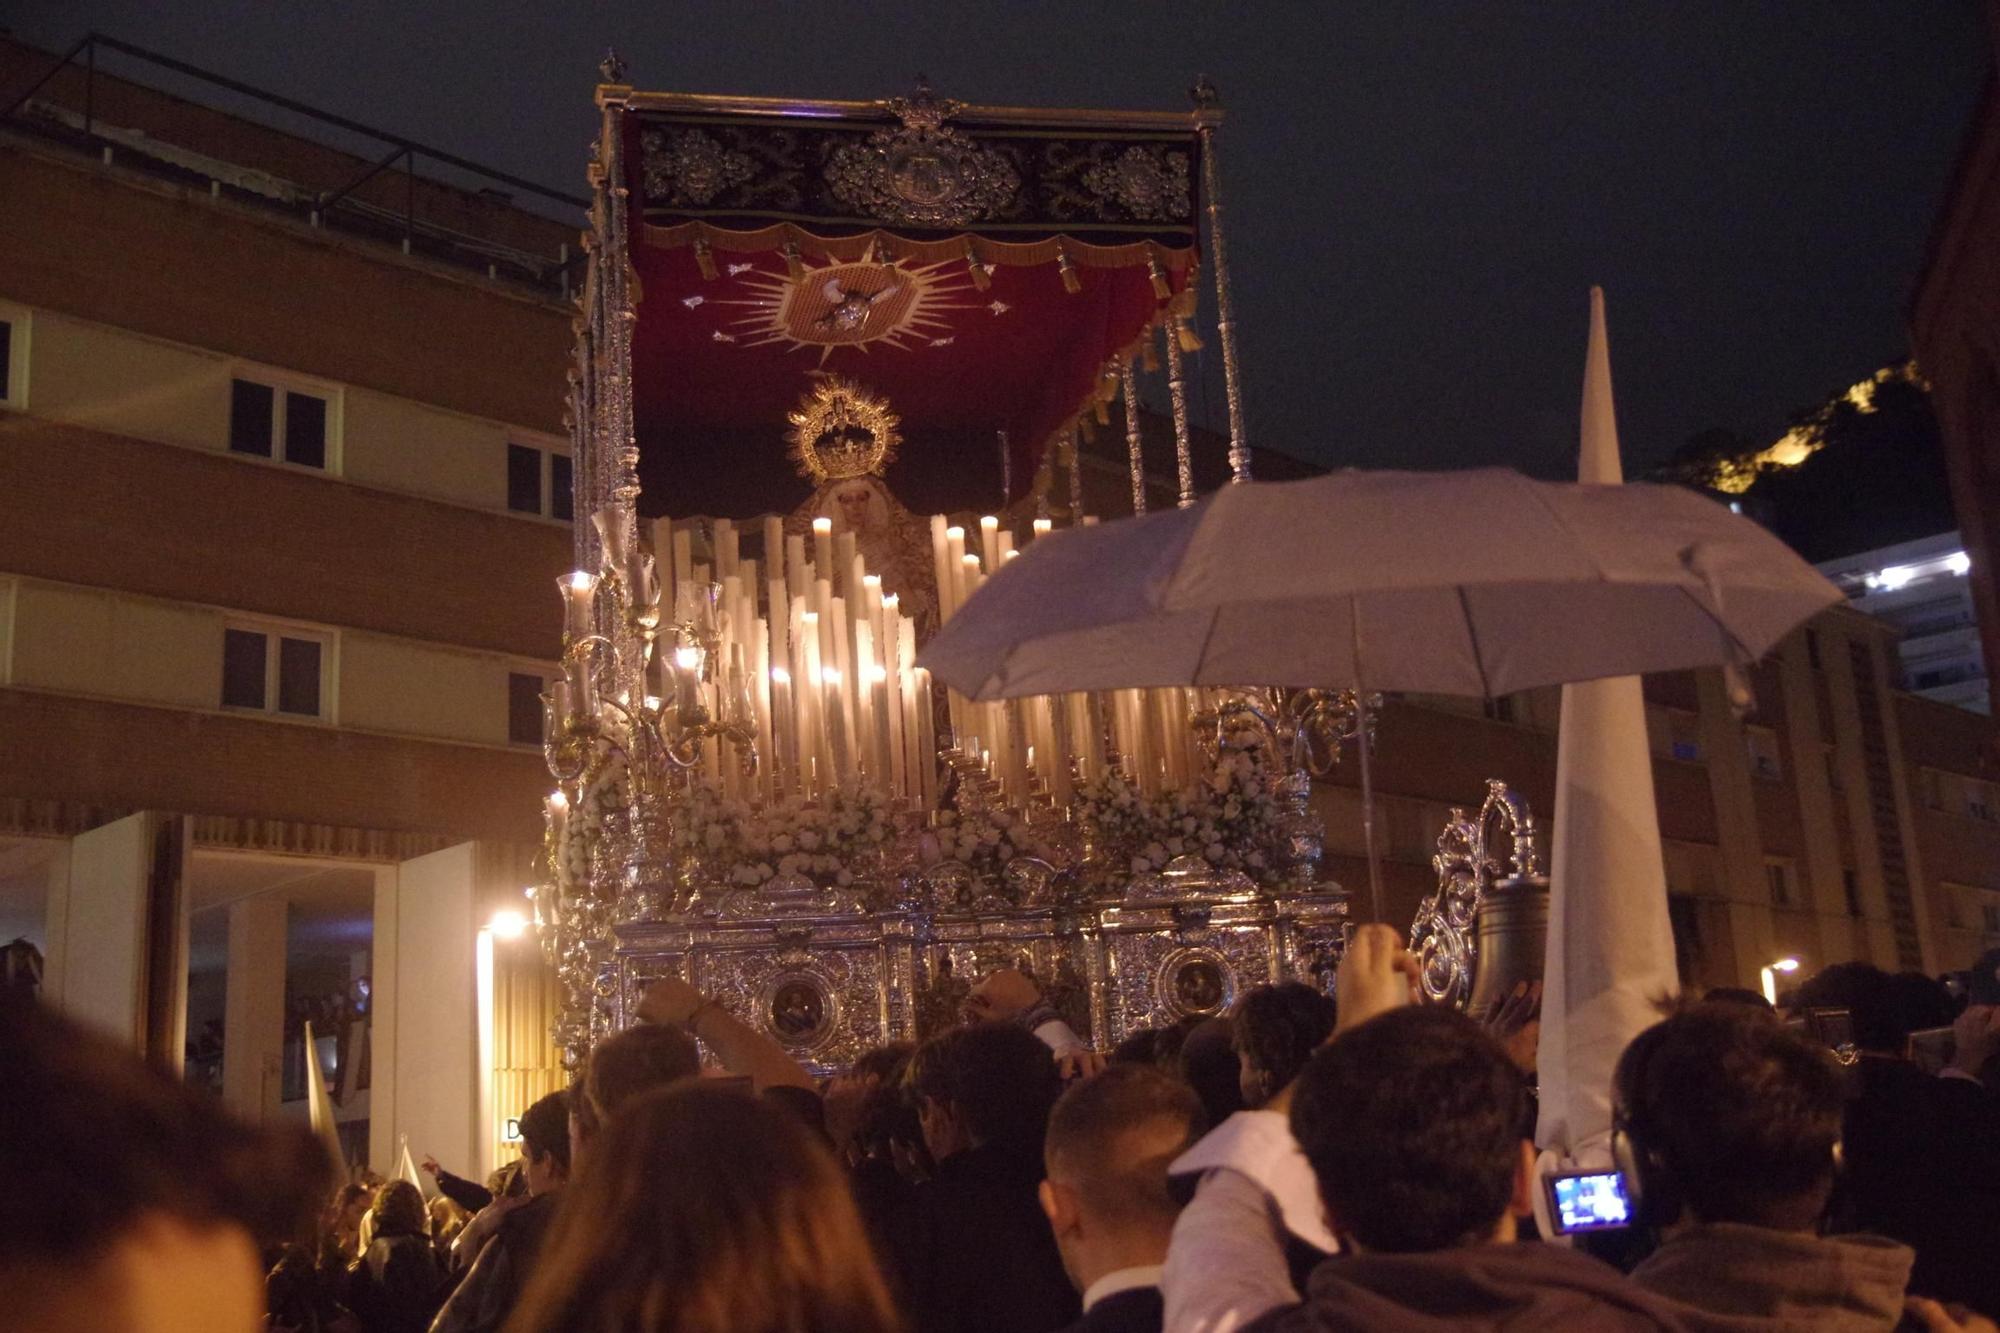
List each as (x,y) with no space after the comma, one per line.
(981,272)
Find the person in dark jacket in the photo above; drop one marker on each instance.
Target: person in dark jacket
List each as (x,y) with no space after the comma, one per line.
(482,1302)
(1107,1198)
(1920,1154)
(393,1286)
(972,1250)
(1728,1131)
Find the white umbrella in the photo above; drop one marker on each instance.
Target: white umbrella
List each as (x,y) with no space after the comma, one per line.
(1473,583)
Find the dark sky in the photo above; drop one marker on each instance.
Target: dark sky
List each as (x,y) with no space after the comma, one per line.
(1418,194)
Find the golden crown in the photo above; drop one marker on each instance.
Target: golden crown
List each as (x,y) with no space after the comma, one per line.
(842,430)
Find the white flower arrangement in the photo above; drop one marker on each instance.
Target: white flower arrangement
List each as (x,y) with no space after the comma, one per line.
(834,841)
(983,839)
(1230,817)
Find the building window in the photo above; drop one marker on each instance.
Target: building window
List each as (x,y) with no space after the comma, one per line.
(1979,802)
(1779,876)
(540,481)
(273,671)
(283,424)
(1850,884)
(524,708)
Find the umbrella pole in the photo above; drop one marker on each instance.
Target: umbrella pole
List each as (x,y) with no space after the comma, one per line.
(1368,805)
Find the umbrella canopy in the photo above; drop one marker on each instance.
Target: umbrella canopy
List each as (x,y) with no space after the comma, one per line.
(1476,583)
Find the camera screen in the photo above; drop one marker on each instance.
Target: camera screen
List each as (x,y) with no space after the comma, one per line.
(1589,1202)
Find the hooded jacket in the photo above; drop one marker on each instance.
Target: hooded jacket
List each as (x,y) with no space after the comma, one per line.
(1473,1287)
(1757,1280)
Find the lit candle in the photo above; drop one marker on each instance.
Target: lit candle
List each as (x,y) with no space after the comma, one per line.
(989,540)
(687,683)
(663,549)
(1043,526)
(823,548)
(555,811)
(579,591)
(784,732)
(555,709)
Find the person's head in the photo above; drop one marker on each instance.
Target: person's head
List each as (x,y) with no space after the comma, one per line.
(1210,1065)
(637,1060)
(1110,1140)
(1411,1122)
(1138,1048)
(545,1143)
(703,1210)
(132,1199)
(1277,1028)
(1003,994)
(1730,1116)
(349,1203)
(1740,996)
(885,1116)
(507,1180)
(987,1083)
(1862,989)
(400,1211)
(447,1219)
(1919,1002)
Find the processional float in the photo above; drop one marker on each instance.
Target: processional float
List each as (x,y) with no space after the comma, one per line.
(804,325)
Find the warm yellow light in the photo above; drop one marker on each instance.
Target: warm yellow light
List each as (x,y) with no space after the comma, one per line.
(822,525)
(687,657)
(1044,526)
(877,674)
(652,703)
(891,602)
(954,533)
(810,617)
(970,561)
(581,581)
(780,676)
(871,580)
(1785,965)
(558,801)
(829,677)
(508,924)
(988,523)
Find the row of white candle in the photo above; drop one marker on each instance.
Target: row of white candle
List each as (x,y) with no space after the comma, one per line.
(819,664)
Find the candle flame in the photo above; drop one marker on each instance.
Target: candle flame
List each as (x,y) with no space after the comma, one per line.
(580,581)
(989,522)
(822,525)
(687,658)
(558,801)
(877,674)
(955,533)
(781,676)
(871,580)
(829,676)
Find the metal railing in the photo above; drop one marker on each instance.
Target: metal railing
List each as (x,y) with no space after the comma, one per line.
(402,153)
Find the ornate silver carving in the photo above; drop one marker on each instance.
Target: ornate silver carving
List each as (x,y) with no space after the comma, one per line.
(1466,864)
(691,167)
(923,173)
(1150,183)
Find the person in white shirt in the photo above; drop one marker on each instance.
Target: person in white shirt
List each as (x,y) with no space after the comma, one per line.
(1110,1138)
(1254,1227)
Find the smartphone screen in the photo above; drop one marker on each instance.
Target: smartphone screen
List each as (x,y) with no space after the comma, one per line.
(1589,1201)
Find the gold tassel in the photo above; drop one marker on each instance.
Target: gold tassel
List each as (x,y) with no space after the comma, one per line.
(1071,282)
(982,277)
(1186,335)
(1084,431)
(1158,275)
(704,260)
(794,266)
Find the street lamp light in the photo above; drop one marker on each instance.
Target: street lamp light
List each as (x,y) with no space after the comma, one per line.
(1770,972)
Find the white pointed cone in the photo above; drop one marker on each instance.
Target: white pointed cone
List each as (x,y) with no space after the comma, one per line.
(319,1106)
(1611,947)
(406,1168)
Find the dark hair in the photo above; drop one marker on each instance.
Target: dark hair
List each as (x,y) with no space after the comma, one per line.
(96,1141)
(399,1210)
(886,1115)
(1112,1137)
(1000,1078)
(1862,989)
(1207,1061)
(1738,995)
(1411,1122)
(545,1128)
(1277,1028)
(638,1060)
(701,1210)
(1738,1114)
(1138,1048)
(1919,1002)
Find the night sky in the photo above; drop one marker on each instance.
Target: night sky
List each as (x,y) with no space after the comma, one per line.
(1418,194)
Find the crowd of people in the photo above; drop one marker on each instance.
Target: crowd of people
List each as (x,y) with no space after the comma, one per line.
(1306,1162)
